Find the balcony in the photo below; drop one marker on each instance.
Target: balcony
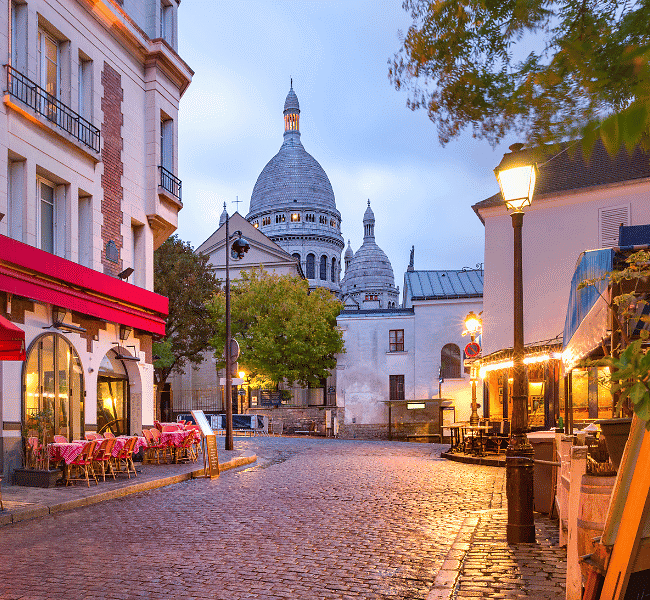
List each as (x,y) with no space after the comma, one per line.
(35,97)
(170,183)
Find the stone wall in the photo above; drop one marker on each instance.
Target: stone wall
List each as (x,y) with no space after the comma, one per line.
(293,419)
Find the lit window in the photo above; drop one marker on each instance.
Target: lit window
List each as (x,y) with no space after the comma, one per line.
(295,217)
(256,225)
(415,405)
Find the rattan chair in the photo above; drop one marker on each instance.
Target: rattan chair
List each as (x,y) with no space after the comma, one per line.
(83,462)
(126,455)
(104,457)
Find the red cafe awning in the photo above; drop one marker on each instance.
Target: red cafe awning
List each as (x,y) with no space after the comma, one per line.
(32,273)
(12,341)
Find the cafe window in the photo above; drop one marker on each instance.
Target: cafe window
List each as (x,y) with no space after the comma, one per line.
(54,384)
(450,361)
(396,383)
(396,340)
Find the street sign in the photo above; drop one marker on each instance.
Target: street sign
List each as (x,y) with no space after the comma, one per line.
(472,350)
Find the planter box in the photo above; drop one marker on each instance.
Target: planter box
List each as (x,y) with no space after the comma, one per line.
(37,478)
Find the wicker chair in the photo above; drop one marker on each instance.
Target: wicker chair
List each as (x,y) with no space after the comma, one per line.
(158,443)
(126,455)
(83,462)
(60,439)
(104,456)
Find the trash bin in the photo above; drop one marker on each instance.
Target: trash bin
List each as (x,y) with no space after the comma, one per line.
(542,443)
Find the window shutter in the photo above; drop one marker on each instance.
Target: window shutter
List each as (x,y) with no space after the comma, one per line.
(609,220)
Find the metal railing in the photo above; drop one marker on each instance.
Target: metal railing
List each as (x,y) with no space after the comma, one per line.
(169,182)
(33,95)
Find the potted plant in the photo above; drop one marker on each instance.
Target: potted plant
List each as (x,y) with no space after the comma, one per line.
(36,472)
(627,359)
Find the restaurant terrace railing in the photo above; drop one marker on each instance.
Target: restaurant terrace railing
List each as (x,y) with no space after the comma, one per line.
(33,95)
(169,182)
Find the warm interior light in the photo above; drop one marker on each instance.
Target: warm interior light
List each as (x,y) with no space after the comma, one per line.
(242,374)
(415,405)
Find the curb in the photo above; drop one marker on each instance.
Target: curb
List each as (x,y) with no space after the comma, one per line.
(444,583)
(37,510)
(485,461)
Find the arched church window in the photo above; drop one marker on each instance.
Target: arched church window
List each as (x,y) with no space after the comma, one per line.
(296,256)
(311,267)
(333,275)
(450,361)
(323,267)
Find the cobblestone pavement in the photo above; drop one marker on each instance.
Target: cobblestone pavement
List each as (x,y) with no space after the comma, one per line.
(314,519)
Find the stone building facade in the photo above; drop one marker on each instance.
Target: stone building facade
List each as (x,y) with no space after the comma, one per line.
(88,190)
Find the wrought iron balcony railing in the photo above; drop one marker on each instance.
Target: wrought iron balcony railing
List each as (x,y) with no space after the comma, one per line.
(169,182)
(34,96)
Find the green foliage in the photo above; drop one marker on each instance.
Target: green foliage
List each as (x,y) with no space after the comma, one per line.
(285,332)
(188,281)
(590,76)
(629,363)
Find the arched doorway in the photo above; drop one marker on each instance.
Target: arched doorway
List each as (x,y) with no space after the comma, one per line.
(53,384)
(113,401)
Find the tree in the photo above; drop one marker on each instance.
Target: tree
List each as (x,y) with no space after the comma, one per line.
(188,281)
(591,78)
(285,331)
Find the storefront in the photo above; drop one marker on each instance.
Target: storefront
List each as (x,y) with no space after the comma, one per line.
(543,363)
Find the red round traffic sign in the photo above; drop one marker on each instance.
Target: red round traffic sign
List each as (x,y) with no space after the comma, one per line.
(472,350)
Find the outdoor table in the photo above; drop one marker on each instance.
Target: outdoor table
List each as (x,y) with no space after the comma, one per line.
(471,431)
(456,429)
(120,442)
(66,452)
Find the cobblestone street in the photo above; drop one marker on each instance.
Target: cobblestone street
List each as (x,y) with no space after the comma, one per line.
(314,519)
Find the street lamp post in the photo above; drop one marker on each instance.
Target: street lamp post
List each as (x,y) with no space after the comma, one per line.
(472,326)
(237,251)
(516,176)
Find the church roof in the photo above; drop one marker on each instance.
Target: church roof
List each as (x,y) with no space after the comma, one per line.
(292,179)
(369,269)
(442,285)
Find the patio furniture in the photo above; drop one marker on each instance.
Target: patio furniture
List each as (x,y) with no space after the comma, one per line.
(126,455)
(109,434)
(104,457)
(60,439)
(159,444)
(84,461)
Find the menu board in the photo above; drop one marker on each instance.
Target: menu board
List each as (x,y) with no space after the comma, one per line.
(212,468)
(201,420)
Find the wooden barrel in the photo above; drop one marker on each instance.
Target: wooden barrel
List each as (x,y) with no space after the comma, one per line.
(595,494)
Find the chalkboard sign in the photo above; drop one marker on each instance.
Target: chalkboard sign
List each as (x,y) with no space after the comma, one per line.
(201,420)
(213,456)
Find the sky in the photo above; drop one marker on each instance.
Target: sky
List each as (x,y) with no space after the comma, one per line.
(352,121)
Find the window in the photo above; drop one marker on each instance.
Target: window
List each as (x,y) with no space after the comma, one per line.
(295,217)
(19,36)
(16,199)
(296,256)
(49,68)
(84,239)
(138,251)
(166,24)
(322,220)
(310,218)
(280,218)
(332,223)
(266,220)
(256,224)
(311,267)
(396,383)
(53,381)
(396,340)
(323,268)
(450,361)
(46,216)
(85,87)
(166,143)
(333,273)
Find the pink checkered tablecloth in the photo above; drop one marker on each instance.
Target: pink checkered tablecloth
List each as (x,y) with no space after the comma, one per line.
(121,440)
(64,452)
(176,438)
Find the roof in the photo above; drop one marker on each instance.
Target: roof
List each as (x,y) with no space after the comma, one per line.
(442,285)
(566,169)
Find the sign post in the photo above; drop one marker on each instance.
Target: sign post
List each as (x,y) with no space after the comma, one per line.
(210,454)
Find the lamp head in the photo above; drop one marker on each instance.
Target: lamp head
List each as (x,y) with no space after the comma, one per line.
(242,374)
(239,247)
(472,322)
(516,175)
